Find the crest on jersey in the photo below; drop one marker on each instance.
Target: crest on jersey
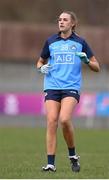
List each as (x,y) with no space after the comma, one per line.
(73,47)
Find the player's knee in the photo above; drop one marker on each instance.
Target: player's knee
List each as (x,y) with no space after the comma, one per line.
(52,122)
(64,121)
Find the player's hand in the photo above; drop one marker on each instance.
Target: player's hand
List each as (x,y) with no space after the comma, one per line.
(83,57)
(45,69)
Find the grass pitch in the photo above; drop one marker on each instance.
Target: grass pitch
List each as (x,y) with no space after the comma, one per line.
(23,153)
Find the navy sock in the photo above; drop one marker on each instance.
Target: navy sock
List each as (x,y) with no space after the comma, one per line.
(51,159)
(71,151)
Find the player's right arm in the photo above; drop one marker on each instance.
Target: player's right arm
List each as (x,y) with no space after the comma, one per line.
(40,62)
(43,66)
(44,55)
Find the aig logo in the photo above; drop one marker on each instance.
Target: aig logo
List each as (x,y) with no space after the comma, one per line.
(64,58)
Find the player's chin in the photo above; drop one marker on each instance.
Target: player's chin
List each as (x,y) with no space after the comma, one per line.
(61,29)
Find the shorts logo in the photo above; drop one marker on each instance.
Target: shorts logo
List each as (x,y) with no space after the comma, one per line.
(73,92)
(46,93)
(64,58)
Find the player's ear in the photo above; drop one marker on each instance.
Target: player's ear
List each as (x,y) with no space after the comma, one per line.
(73,25)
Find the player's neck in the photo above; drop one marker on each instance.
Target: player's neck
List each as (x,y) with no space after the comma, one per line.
(66,34)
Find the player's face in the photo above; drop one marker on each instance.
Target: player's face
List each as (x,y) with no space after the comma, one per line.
(65,23)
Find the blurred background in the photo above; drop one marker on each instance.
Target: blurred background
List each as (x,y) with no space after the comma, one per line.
(24,26)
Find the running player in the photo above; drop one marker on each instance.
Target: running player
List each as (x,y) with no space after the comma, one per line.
(61,59)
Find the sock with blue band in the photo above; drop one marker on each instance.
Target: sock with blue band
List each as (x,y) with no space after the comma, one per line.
(51,159)
(71,151)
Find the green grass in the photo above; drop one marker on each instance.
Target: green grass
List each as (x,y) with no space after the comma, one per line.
(23,153)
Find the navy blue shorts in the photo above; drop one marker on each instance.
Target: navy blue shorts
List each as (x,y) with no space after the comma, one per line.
(58,95)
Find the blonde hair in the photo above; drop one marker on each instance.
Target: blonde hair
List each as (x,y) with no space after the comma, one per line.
(73,17)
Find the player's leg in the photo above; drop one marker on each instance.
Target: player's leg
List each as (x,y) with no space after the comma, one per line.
(67,106)
(52,112)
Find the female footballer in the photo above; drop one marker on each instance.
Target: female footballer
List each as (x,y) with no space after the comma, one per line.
(61,62)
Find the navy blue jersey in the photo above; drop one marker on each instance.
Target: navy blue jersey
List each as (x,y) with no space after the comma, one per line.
(65,70)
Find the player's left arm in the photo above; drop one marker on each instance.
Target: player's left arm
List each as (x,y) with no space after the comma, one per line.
(93,64)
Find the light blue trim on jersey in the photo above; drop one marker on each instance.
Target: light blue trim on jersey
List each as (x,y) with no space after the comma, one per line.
(66,67)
